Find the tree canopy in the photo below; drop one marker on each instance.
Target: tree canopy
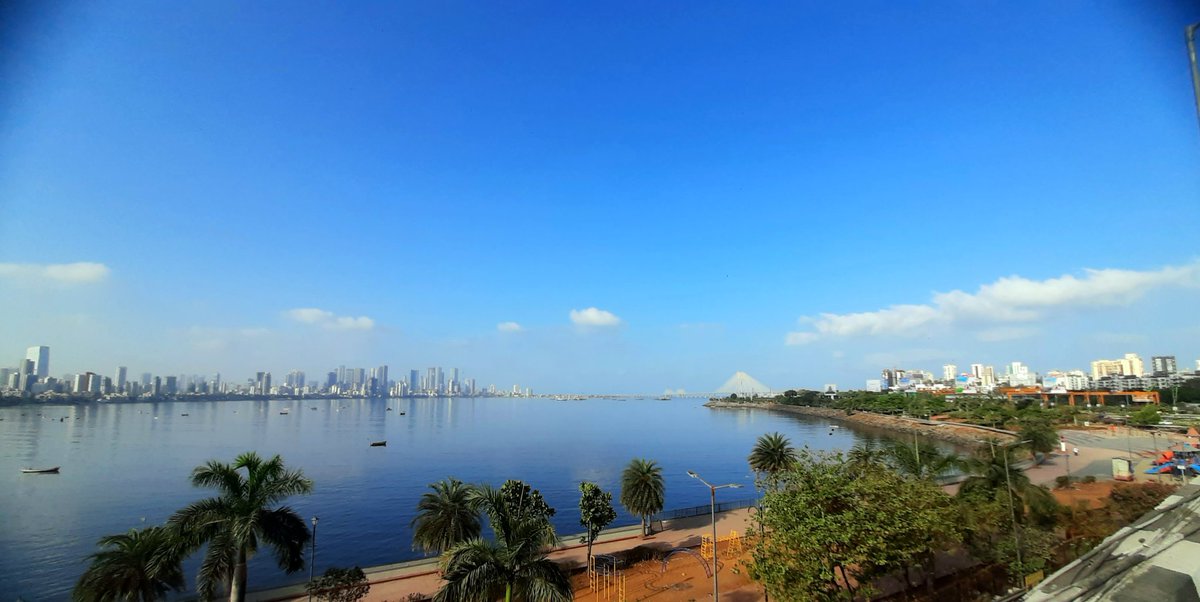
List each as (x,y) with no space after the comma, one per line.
(834,527)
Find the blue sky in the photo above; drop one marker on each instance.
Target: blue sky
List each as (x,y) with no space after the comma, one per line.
(728,187)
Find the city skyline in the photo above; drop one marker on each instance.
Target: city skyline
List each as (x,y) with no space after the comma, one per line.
(803,193)
(436,381)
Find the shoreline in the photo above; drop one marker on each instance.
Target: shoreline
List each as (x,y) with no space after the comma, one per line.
(951,432)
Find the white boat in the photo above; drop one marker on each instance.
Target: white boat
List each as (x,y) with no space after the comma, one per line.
(40,470)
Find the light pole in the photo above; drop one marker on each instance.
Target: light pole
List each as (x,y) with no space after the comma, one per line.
(712,490)
(1011,503)
(312,556)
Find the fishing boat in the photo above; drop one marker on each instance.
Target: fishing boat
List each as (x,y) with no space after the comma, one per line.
(40,470)
(379,444)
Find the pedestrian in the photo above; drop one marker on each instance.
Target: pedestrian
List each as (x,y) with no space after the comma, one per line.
(1076,450)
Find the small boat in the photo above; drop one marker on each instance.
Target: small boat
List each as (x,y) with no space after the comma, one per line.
(379,444)
(389,409)
(184,414)
(40,470)
(284,413)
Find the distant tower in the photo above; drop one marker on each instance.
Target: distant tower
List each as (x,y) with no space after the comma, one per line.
(121,374)
(40,356)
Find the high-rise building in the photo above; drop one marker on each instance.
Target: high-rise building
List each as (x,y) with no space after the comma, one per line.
(1163,364)
(441,381)
(40,356)
(414,382)
(146,376)
(172,385)
(1130,365)
(949,371)
(977,372)
(121,374)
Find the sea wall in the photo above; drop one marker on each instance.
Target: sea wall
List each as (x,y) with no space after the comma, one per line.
(953,432)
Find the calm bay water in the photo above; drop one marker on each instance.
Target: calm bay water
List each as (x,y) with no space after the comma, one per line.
(127,466)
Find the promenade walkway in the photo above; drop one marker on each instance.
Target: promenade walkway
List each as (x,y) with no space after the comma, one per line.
(396,581)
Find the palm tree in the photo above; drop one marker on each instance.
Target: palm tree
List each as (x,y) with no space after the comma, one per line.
(242,516)
(642,490)
(994,475)
(922,462)
(772,454)
(446,516)
(515,564)
(137,566)
(866,454)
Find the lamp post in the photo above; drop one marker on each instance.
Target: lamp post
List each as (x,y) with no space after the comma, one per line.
(712,490)
(312,556)
(1011,503)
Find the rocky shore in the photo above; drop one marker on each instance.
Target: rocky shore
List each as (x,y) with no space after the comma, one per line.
(959,434)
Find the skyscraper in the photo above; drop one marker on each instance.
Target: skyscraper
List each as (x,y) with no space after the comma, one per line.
(121,374)
(414,382)
(949,371)
(40,356)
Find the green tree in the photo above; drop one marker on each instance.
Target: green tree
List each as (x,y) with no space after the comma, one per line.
(242,516)
(643,492)
(834,528)
(772,454)
(595,512)
(135,566)
(340,585)
(1040,433)
(1145,416)
(514,566)
(1129,501)
(995,473)
(447,515)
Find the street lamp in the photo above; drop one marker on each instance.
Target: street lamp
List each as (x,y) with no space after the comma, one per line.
(712,490)
(1008,481)
(312,557)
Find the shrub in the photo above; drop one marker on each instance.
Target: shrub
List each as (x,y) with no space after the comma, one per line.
(340,585)
(1062,482)
(1131,500)
(1089,479)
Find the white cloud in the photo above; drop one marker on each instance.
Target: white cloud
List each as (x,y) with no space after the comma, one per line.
(309,315)
(508,327)
(83,272)
(594,317)
(327,319)
(1009,299)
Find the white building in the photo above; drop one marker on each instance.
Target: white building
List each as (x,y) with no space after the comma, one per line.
(949,372)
